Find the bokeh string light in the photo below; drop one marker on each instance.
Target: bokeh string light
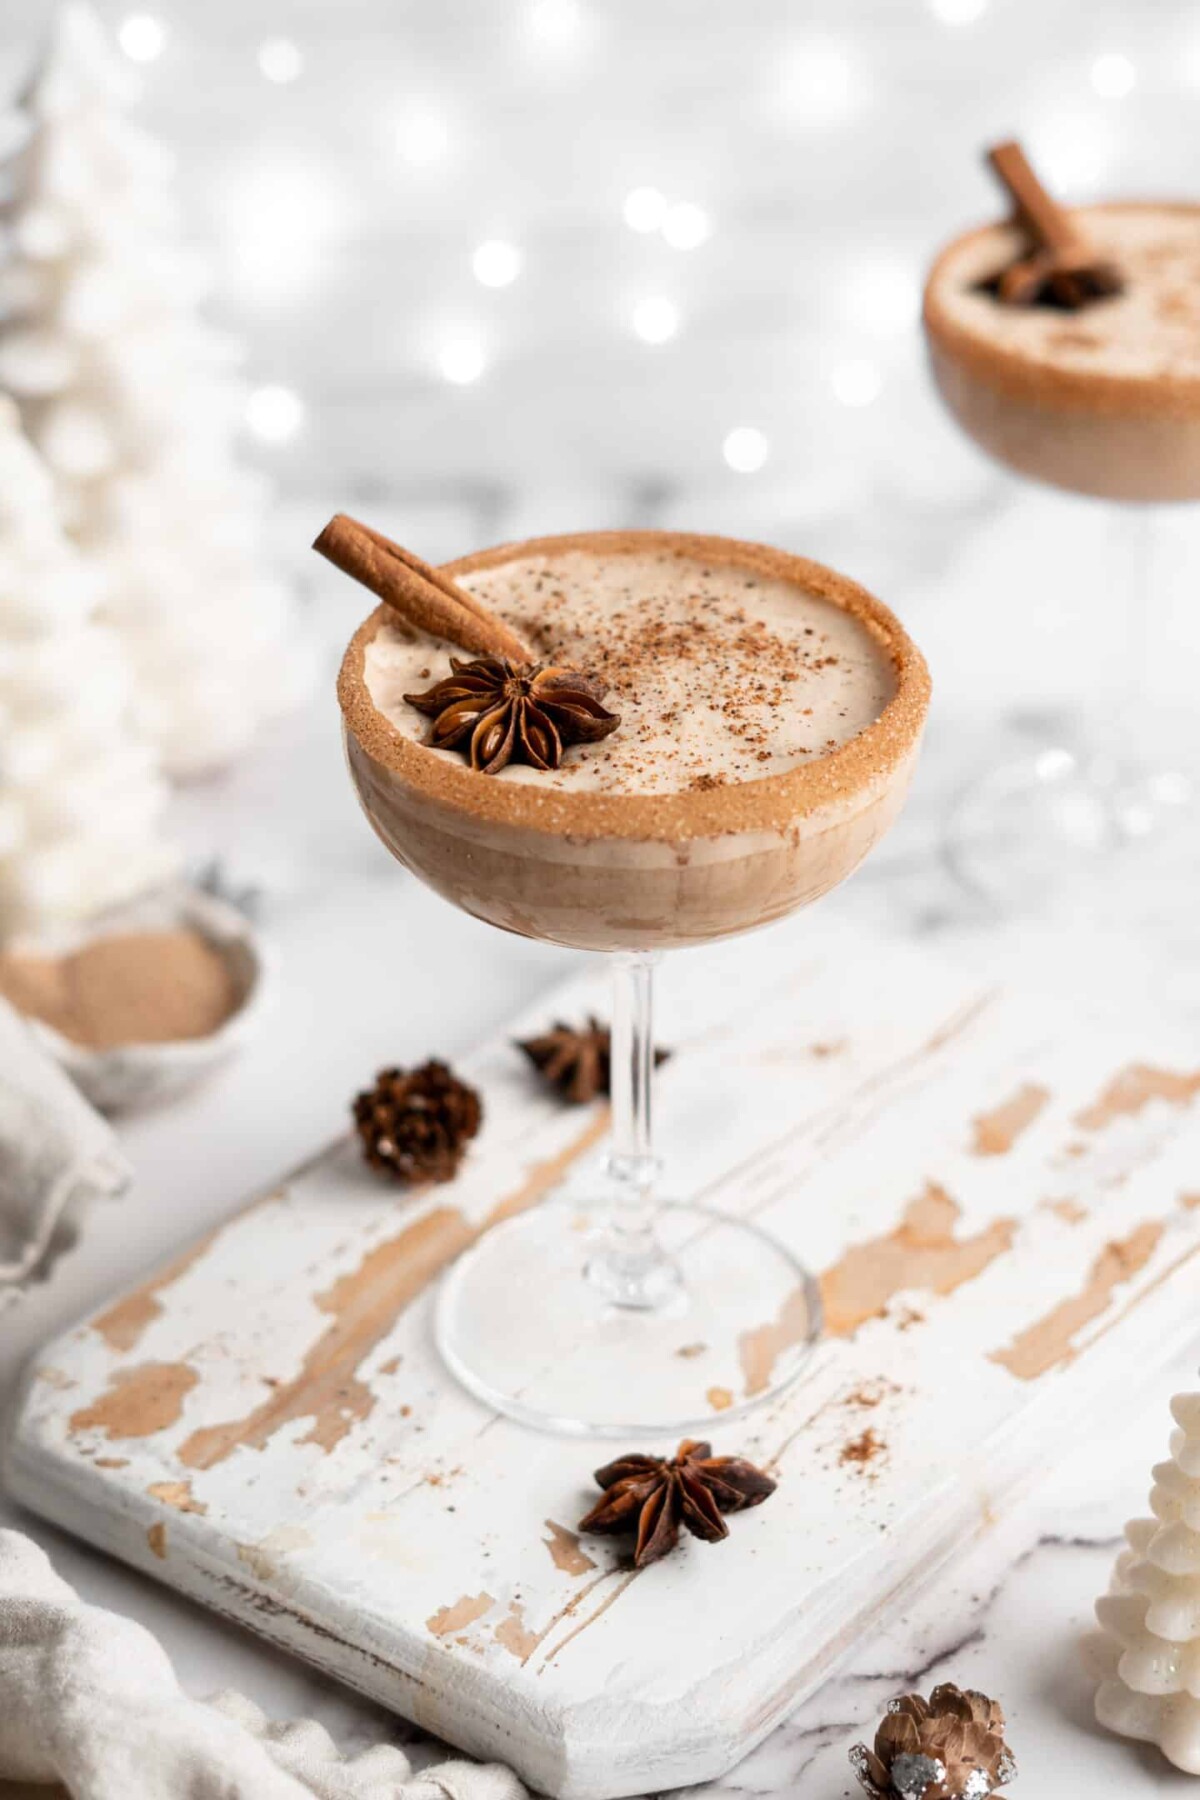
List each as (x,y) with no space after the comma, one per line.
(274,413)
(461,359)
(746,449)
(285,213)
(280,60)
(686,226)
(958,12)
(655,319)
(1113,75)
(142,37)
(554,29)
(819,82)
(495,263)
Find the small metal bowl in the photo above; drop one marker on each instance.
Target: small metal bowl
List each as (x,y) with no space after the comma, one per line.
(133,1075)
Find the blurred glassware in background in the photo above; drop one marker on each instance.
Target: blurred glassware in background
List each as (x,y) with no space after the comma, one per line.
(1061,343)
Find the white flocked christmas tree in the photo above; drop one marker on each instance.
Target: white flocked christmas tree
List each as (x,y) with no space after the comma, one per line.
(1149,1654)
(135,405)
(80,797)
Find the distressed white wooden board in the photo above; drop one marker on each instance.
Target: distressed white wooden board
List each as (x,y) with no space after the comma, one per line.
(266,1426)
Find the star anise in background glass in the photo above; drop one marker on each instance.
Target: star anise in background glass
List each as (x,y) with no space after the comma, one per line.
(576,1060)
(949,1747)
(655,1495)
(1045,279)
(496,712)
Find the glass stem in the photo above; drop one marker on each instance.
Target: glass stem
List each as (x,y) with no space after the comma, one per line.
(631,1266)
(1153,780)
(1131,553)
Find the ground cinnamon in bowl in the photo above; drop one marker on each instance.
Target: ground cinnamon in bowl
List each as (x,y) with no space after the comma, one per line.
(136,987)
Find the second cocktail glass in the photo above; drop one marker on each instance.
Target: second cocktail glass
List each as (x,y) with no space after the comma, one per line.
(1064,343)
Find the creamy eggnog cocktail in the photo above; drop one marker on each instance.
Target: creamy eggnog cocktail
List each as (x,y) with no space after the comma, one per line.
(1103,398)
(628,742)
(769,710)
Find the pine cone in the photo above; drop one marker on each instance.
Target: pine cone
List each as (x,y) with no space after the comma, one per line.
(576,1060)
(415,1123)
(950,1747)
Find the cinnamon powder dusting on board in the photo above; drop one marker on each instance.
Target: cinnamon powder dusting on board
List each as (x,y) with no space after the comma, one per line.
(863,1451)
(138,987)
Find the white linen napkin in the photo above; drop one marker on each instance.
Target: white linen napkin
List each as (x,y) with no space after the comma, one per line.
(56,1155)
(90,1699)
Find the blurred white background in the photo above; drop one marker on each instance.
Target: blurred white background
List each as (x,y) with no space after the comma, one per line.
(517,265)
(505,266)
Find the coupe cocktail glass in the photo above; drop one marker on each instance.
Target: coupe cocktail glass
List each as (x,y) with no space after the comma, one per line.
(604,1321)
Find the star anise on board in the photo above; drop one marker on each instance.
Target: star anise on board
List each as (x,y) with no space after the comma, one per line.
(496,712)
(415,1123)
(949,1747)
(576,1060)
(655,1495)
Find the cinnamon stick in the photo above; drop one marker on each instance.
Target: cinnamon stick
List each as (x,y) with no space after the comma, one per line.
(1064,268)
(1050,224)
(422,595)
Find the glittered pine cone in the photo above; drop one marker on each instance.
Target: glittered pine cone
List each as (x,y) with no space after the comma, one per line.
(950,1747)
(416,1123)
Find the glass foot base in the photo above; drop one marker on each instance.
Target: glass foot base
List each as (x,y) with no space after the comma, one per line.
(1052,814)
(521,1325)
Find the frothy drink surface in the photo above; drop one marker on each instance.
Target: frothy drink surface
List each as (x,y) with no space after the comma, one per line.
(720,675)
(1151,330)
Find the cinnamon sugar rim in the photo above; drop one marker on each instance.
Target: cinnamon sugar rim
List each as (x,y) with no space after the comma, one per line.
(769,802)
(1011,369)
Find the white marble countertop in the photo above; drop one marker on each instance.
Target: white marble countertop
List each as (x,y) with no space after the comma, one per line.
(377,969)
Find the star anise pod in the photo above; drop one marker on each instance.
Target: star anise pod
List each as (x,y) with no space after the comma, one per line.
(950,1747)
(1046,279)
(577,1061)
(495,712)
(655,1495)
(415,1123)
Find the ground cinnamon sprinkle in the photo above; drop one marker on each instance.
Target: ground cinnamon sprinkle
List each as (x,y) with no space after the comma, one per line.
(143,987)
(864,1449)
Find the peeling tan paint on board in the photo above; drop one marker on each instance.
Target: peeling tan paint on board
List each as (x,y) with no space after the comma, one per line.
(997,1131)
(139,1401)
(1050,1341)
(921,1254)
(264,1558)
(1131,1092)
(156,1537)
(177,1494)
(566,1552)
(513,1635)
(123,1324)
(364,1305)
(459,1614)
(1066,1209)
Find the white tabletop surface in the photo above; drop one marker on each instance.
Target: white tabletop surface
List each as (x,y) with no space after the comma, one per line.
(375,969)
